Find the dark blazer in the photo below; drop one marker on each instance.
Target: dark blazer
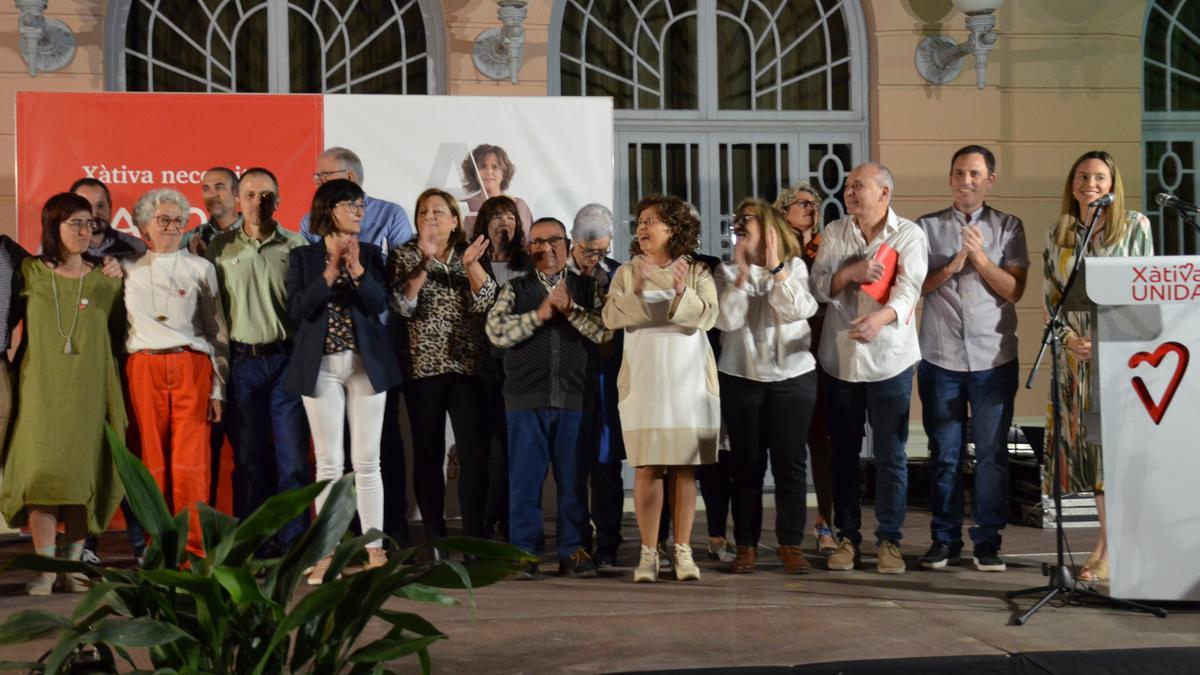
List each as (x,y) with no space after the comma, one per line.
(308,314)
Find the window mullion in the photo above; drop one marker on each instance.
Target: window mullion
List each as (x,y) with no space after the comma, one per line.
(706,59)
(278,71)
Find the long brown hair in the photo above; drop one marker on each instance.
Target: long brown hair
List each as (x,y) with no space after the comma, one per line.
(1114,223)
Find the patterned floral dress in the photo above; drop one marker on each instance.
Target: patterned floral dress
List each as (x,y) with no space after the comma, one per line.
(1082,467)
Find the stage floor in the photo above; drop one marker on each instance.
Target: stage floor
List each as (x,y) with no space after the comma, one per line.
(767,618)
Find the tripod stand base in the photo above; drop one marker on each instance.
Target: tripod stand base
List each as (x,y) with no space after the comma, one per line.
(1062,583)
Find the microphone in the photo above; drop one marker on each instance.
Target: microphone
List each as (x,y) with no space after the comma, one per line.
(1164,199)
(1103,202)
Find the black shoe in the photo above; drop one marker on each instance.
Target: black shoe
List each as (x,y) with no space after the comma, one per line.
(940,555)
(604,559)
(578,565)
(987,559)
(527,573)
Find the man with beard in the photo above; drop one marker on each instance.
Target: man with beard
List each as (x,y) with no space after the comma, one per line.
(218,187)
(106,241)
(266,423)
(548,322)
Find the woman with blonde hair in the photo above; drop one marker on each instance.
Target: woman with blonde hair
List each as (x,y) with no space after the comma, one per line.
(768,378)
(800,206)
(669,406)
(1118,233)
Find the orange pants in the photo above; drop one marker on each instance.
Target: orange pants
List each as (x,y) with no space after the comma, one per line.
(168,396)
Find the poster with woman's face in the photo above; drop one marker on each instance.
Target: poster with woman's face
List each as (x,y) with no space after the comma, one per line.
(549,155)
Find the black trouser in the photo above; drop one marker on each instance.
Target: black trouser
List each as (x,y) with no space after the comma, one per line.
(496,432)
(774,417)
(392,468)
(465,399)
(716,488)
(607,504)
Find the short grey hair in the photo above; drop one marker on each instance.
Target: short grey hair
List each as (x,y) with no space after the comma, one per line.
(348,159)
(593,221)
(885,178)
(148,203)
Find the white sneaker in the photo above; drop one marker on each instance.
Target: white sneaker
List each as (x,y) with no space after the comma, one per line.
(647,567)
(720,549)
(685,566)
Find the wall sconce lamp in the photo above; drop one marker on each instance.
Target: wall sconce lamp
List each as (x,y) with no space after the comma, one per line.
(940,59)
(46,44)
(498,51)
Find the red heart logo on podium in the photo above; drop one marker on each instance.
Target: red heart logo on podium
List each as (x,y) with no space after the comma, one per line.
(1157,410)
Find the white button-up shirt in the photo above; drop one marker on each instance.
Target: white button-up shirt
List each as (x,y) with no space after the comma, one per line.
(765,335)
(895,347)
(172,300)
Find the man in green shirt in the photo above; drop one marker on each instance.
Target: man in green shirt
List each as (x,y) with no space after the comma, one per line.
(266,424)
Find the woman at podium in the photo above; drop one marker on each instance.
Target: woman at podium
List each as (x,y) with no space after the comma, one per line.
(1118,233)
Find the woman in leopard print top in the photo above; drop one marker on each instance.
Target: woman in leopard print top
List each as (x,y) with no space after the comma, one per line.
(443,291)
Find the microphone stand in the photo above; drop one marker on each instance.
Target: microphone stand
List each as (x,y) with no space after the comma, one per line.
(1061,581)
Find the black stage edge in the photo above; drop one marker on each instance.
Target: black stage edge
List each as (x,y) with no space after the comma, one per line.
(1166,661)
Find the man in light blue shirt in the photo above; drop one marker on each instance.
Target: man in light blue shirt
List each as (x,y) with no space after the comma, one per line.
(384,223)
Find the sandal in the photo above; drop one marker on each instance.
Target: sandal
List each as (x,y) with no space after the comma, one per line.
(1094,571)
(826,544)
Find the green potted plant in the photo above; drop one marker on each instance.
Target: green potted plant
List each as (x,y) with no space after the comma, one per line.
(230,612)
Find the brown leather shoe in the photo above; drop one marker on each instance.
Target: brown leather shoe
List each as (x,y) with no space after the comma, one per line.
(747,557)
(793,559)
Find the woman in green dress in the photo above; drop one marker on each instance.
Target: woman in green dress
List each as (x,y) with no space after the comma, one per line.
(1119,233)
(58,466)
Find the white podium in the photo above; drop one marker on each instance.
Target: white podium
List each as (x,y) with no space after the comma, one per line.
(1147,333)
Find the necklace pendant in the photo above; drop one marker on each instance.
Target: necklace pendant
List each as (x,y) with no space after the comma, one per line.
(67,348)
(160,318)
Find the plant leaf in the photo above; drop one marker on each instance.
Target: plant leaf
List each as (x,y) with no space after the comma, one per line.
(219,529)
(482,572)
(276,512)
(145,499)
(424,593)
(387,650)
(408,621)
(134,633)
(322,600)
(240,584)
(485,548)
(40,563)
(24,666)
(31,624)
(100,594)
(318,541)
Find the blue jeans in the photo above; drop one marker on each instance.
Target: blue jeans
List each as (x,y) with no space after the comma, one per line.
(269,434)
(885,405)
(945,396)
(537,438)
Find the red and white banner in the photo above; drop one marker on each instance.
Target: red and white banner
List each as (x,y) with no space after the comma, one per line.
(561,148)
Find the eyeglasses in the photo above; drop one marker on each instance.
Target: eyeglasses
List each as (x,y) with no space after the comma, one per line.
(648,222)
(353,207)
(322,176)
(167,221)
(548,241)
(804,204)
(593,252)
(744,218)
(81,225)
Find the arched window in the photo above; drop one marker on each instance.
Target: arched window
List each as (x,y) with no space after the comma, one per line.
(281,46)
(717,100)
(1171,118)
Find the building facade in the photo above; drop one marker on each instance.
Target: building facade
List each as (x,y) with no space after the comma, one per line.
(715,99)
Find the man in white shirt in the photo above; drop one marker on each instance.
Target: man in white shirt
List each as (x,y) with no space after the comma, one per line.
(869,348)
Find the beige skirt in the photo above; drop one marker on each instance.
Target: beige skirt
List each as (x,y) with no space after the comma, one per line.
(669,400)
